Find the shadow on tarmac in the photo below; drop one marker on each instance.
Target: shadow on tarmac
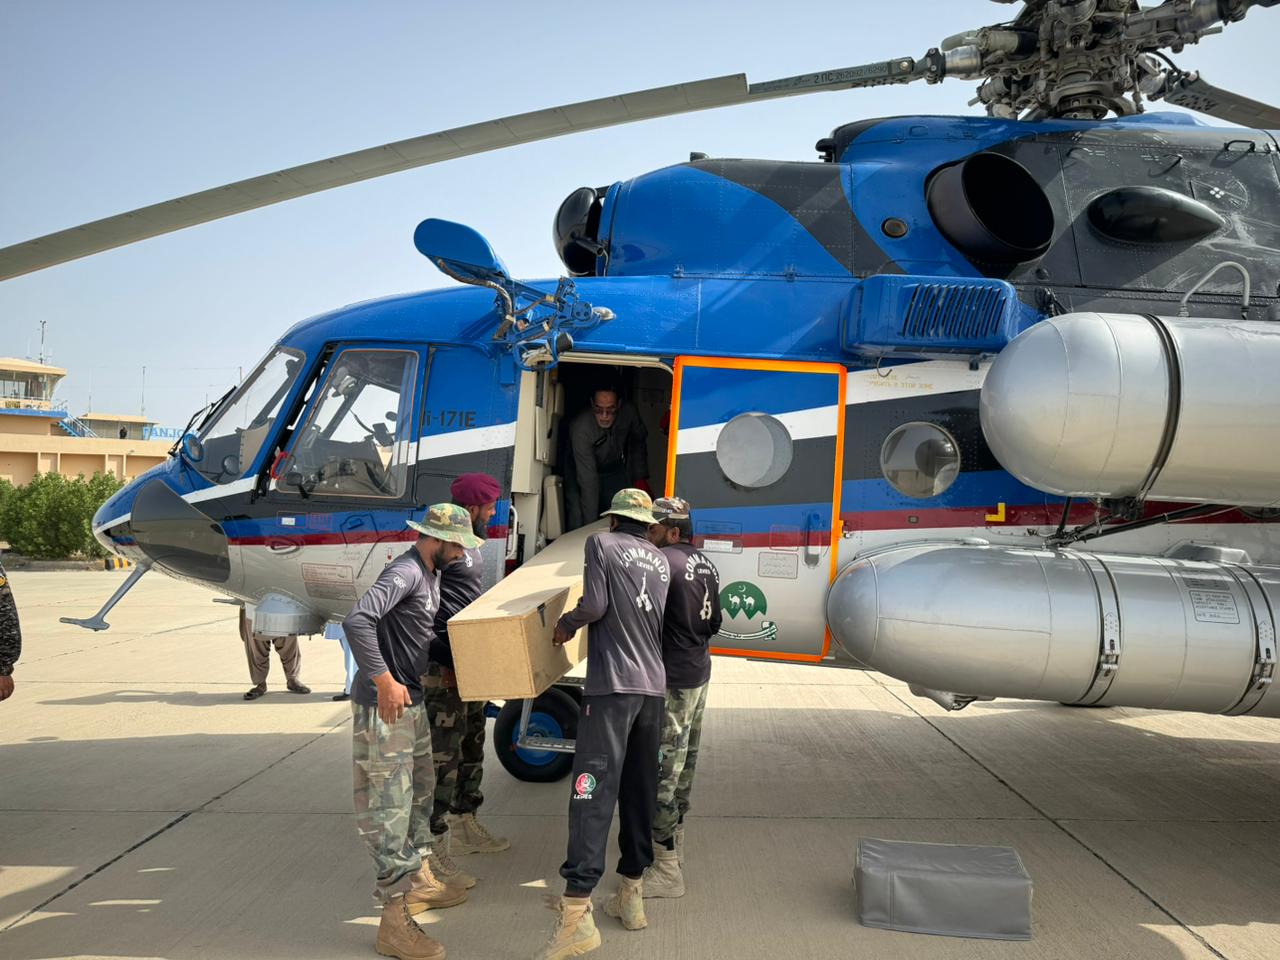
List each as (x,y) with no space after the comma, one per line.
(1190,820)
(190,698)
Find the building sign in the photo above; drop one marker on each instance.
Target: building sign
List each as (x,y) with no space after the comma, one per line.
(153,432)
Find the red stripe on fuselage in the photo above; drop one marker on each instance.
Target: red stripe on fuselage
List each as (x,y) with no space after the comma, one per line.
(321,539)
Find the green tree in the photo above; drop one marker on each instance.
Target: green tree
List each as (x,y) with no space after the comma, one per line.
(51,518)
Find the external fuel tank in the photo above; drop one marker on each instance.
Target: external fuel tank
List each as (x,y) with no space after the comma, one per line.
(1122,405)
(1065,625)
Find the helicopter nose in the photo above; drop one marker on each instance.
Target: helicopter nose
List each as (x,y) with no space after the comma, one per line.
(173,534)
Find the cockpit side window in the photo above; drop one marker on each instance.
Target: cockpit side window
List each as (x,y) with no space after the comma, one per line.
(236,434)
(355,443)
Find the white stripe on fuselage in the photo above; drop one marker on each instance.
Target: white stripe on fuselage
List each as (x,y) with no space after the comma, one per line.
(913,380)
(439,445)
(123,518)
(429,448)
(801,425)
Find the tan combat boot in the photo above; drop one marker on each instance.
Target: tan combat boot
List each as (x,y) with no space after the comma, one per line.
(663,877)
(470,836)
(399,936)
(430,893)
(628,904)
(575,932)
(678,836)
(444,867)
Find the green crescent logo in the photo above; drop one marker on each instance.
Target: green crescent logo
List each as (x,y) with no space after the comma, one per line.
(742,598)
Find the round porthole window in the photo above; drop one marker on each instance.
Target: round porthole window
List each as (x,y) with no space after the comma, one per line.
(754,450)
(920,459)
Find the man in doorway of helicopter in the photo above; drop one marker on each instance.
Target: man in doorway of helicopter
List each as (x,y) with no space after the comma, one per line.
(390,630)
(624,592)
(458,728)
(692,618)
(609,449)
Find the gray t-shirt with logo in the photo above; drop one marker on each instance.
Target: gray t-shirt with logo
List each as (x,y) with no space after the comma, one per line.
(624,596)
(390,627)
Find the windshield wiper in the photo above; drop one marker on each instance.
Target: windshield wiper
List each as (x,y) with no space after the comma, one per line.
(207,410)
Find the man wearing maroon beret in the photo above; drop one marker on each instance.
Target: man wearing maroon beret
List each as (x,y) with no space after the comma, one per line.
(458,728)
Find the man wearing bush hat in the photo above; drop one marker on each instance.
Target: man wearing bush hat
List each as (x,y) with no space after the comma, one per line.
(390,630)
(458,728)
(624,593)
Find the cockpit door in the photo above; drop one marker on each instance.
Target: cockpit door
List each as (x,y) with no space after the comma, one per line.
(756,448)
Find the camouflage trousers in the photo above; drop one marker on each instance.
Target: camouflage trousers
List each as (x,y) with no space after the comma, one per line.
(457,738)
(393,785)
(678,757)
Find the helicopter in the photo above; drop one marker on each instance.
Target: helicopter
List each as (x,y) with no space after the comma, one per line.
(909,383)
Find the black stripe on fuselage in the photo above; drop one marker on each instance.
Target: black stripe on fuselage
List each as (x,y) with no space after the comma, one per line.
(432,479)
(814,194)
(811,478)
(868,424)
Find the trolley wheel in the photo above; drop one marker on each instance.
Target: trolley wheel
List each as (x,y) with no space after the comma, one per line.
(554,714)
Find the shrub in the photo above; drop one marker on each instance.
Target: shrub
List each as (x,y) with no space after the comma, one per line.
(51,518)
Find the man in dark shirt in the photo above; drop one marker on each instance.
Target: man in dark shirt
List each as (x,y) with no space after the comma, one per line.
(624,589)
(390,630)
(10,637)
(692,618)
(457,728)
(610,451)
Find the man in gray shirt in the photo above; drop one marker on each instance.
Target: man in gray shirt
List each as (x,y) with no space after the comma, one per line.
(624,592)
(609,447)
(390,631)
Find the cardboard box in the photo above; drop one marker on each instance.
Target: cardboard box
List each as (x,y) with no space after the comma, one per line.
(502,643)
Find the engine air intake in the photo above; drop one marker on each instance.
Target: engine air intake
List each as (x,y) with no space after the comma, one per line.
(992,209)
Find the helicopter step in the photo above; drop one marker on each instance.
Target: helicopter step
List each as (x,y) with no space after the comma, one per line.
(535,738)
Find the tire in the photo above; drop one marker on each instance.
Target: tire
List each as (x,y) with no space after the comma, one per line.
(554,714)
(574,690)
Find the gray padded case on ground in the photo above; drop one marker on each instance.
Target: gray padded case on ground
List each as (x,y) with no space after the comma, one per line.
(944,889)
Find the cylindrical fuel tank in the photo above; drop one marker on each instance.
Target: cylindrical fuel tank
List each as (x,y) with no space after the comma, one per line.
(1064,625)
(1122,405)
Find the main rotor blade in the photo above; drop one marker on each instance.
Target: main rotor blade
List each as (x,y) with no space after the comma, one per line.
(244,195)
(1189,91)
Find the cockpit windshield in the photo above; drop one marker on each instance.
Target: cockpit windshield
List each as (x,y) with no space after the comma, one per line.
(237,432)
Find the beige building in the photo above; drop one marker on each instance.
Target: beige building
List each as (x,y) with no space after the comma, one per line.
(38,436)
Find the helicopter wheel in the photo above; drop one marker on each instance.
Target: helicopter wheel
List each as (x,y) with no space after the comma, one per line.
(555,715)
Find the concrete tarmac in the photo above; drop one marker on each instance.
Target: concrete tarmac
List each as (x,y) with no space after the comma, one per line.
(146,810)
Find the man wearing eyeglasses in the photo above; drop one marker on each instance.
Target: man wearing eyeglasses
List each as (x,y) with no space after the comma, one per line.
(610,453)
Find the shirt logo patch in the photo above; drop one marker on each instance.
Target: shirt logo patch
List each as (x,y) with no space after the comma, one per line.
(584,786)
(399,581)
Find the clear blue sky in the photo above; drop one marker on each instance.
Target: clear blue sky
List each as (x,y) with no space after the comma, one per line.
(109,106)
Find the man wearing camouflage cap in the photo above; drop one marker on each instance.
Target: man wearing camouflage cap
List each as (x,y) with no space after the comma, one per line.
(692,618)
(624,591)
(390,631)
(458,727)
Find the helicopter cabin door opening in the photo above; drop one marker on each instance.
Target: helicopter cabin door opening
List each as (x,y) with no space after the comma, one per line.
(756,448)
(546,496)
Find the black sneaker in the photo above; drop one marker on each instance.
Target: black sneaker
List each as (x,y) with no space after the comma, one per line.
(255,692)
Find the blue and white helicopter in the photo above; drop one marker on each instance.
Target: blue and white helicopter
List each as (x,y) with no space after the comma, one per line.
(905,382)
